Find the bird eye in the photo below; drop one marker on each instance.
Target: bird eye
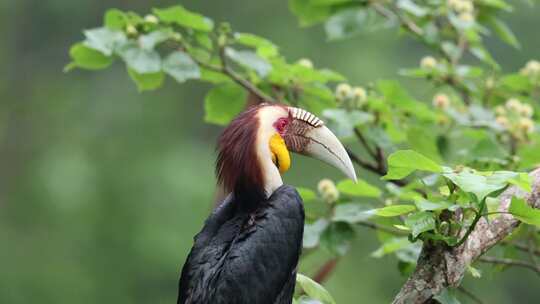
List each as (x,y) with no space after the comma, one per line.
(281,124)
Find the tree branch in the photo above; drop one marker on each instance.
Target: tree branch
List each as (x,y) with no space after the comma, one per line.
(440,266)
(228,71)
(325,271)
(509,262)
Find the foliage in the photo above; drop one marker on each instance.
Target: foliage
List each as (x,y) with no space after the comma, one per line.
(453,155)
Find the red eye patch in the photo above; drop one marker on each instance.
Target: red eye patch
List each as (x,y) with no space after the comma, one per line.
(281,125)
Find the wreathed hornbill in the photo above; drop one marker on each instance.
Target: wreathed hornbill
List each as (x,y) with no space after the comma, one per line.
(248,249)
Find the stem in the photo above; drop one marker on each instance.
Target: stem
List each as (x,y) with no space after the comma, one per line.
(325,271)
(228,71)
(524,248)
(509,262)
(376,226)
(477,217)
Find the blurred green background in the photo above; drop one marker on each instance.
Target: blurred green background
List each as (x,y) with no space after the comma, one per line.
(103,188)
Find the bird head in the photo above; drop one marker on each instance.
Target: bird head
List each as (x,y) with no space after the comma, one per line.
(253,151)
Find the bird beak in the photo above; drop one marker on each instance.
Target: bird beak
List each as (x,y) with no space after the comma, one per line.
(324,145)
(306,134)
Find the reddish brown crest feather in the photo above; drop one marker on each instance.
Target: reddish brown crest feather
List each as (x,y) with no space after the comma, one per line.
(237,167)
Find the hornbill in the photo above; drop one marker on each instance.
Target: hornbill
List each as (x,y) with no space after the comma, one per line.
(248,249)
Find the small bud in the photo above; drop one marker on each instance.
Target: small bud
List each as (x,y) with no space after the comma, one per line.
(222,40)
(328,191)
(464,7)
(513,104)
(490,83)
(131,30)
(151,19)
(453,4)
(441,101)
(177,36)
(466,17)
(428,62)
(305,63)
(532,68)
(343,91)
(527,125)
(500,111)
(502,121)
(526,110)
(359,93)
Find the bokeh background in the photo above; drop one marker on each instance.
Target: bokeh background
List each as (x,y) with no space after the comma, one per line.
(103,188)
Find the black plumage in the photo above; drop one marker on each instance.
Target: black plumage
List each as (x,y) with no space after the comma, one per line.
(247,252)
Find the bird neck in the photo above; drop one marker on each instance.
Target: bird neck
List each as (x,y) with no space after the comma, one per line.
(270,173)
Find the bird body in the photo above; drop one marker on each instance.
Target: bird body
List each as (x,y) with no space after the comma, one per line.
(248,249)
(245,254)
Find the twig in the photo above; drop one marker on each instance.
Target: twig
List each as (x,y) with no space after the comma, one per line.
(238,79)
(379,171)
(376,226)
(364,164)
(392,13)
(325,271)
(477,217)
(509,262)
(226,70)
(523,247)
(364,143)
(470,295)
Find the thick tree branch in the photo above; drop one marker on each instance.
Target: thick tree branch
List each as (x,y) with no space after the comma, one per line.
(440,266)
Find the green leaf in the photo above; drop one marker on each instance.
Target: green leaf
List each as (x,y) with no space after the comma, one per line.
(351,22)
(249,60)
(181,67)
(396,95)
(523,180)
(481,53)
(179,15)
(309,14)
(392,210)
(420,222)
(150,40)
(481,184)
(447,296)
(412,8)
(517,82)
(522,211)
(337,238)
(329,2)
(404,162)
(314,289)
(498,4)
(141,60)
(350,213)
(115,19)
(391,245)
(87,58)
(423,139)
(343,122)
(223,103)
(104,40)
(424,205)
(502,30)
(312,233)
(306,194)
(530,158)
(148,81)
(213,76)
(265,48)
(360,188)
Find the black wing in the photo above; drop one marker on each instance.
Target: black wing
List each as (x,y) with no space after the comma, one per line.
(250,257)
